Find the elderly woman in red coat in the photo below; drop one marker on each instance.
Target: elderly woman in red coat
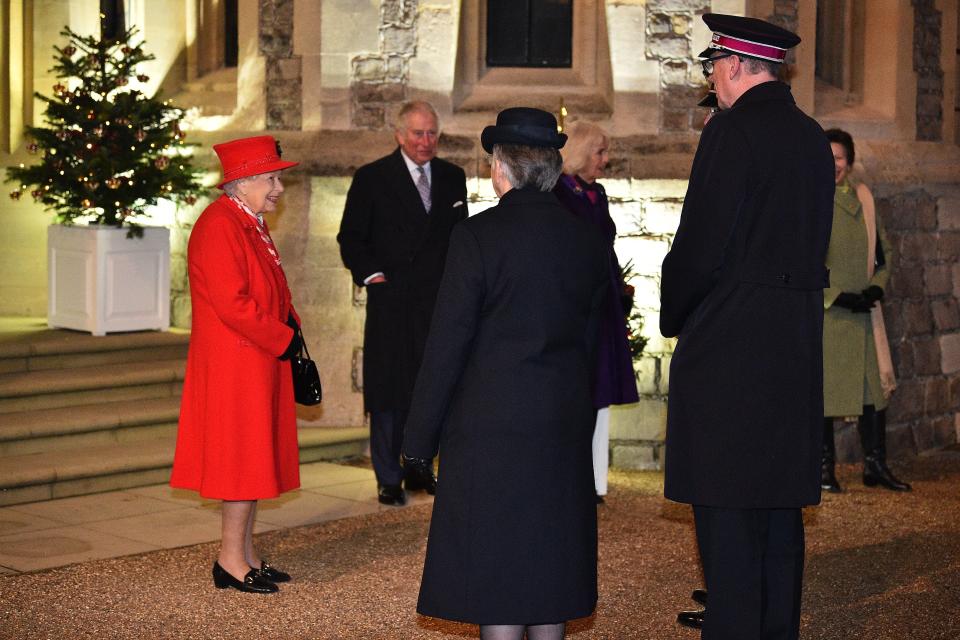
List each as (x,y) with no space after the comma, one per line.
(237,439)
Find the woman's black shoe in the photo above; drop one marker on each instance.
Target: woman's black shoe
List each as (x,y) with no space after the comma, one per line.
(272,573)
(252,582)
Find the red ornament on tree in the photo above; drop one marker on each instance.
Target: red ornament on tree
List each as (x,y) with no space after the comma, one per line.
(15,195)
(143,77)
(59,89)
(32,147)
(113,183)
(140,135)
(85,203)
(69,50)
(190,199)
(161,162)
(36,193)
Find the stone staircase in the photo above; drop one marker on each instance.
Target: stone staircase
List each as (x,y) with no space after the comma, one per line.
(81,414)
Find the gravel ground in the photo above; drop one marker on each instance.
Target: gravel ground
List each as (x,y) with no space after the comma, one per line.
(879,566)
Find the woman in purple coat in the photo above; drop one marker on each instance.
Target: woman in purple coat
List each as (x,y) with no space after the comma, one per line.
(585,157)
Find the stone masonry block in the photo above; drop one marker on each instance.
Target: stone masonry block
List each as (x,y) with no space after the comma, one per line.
(946,314)
(690,6)
(927,356)
(368,116)
(396,68)
(918,247)
(646,291)
(907,281)
(627,216)
(676,119)
(956,280)
(659,24)
(948,246)
(646,370)
(674,72)
(664,385)
(402,40)
(907,401)
(644,420)
(944,434)
(917,318)
(367,69)
(401,12)
(949,353)
(661,217)
(948,213)
(642,456)
(937,280)
(289,68)
(902,353)
(646,253)
(954,390)
(668,48)
(936,396)
(900,441)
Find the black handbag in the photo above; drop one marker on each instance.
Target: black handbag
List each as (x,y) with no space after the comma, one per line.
(306,379)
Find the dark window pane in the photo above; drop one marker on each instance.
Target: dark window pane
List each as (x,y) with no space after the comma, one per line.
(507,25)
(112,22)
(551,33)
(529,33)
(231,38)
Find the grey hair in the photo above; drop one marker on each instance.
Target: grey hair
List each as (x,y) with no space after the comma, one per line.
(526,166)
(421,106)
(756,65)
(230,188)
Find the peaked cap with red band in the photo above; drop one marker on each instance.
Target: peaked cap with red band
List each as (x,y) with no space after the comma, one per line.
(247,157)
(748,37)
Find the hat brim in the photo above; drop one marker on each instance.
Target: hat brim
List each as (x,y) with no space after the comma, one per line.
(494,134)
(279,165)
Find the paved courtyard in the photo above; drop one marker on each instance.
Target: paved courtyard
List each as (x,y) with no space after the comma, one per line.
(880,565)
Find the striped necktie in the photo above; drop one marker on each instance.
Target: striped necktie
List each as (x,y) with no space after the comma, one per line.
(423,186)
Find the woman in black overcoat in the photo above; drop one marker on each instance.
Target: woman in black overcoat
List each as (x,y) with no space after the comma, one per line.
(505,394)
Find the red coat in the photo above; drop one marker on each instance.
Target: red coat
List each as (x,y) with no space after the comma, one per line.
(238,431)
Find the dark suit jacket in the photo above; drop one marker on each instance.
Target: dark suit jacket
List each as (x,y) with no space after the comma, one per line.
(385,228)
(505,393)
(743,287)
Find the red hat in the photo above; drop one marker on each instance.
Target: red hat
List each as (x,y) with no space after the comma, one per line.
(249,157)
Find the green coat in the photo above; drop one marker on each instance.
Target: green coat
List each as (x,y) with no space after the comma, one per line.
(851,377)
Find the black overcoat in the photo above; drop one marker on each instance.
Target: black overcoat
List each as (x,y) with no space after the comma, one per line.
(385,228)
(505,393)
(742,286)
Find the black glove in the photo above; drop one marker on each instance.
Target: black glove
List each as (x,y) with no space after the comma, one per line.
(873,293)
(420,466)
(855,302)
(293,348)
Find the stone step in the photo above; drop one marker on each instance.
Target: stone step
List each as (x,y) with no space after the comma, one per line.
(55,388)
(101,424)
(60,349)
(44,476)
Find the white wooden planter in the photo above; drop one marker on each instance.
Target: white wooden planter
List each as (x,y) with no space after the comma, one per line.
(101,281)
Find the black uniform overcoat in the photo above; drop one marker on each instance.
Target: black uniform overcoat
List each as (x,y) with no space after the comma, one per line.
(505,392)
(385,228)
(742,286)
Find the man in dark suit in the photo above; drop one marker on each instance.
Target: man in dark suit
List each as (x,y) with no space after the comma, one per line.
(742,288)
(393,238)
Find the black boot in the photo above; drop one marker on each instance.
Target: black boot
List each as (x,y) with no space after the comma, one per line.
(828,477)
(872,426)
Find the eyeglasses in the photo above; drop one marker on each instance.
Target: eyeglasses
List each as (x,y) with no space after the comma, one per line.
(707,65)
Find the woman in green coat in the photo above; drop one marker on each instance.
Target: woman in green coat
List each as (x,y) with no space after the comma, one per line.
(858,275)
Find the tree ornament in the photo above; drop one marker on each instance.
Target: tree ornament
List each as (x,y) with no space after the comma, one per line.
(162,162)
(191,199)
(37,194)
(140,135)
(32,148)
(62,135)
(113,183)
(122,81)
(98,131)
(91,115)
(69,50)
(86,203)
(15,195)
(59,89)
(143,77)
(125,50)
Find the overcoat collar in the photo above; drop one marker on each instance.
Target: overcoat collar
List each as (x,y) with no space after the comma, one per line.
(773,90)
(527,196)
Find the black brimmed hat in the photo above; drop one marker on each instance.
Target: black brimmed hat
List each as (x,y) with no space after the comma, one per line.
(523,125)
(748,37)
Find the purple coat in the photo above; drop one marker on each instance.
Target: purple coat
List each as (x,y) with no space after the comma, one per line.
(615,381)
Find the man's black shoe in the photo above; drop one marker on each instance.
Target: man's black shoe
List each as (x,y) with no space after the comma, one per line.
(392,495)
(699,596)
(692,619)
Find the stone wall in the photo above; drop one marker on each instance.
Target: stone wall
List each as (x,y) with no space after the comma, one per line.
(922,318)
(284,82)
(927,24)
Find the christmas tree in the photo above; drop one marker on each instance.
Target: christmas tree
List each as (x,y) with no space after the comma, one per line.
(109,151)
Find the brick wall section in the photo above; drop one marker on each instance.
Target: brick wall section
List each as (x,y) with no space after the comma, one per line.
(668,31)
(923,321)
(927,24)
(284,76)
(379,80)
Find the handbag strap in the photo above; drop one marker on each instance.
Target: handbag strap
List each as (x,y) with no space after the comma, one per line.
(303,345)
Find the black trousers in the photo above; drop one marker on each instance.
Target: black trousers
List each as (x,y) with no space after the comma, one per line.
(753,568)
(386,439)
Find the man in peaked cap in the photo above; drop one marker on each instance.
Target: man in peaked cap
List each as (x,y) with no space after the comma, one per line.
(742,289)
